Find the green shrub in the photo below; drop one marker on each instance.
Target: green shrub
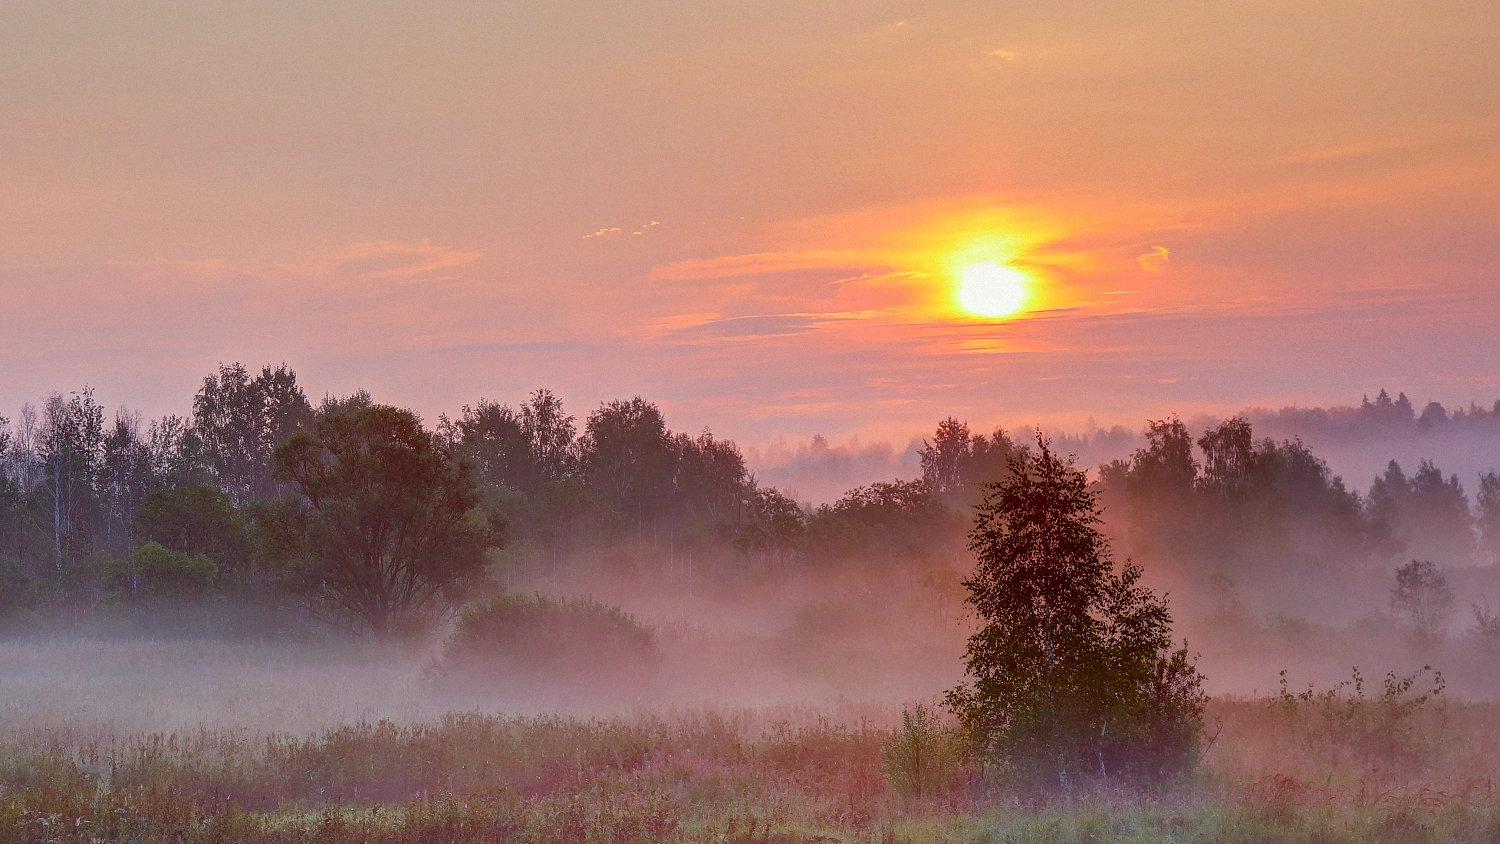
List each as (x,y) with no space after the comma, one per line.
(152,571)
(520,644)
(924,757)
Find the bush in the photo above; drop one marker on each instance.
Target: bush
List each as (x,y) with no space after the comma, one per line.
(539,645)
(923,758)
(1342,723)
(152,571)
(1422,596)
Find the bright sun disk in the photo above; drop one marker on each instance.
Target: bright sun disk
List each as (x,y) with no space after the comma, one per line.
(991,290)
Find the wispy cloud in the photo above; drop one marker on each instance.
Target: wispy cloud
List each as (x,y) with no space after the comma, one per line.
(380,259)
(1153,261)
(759,263)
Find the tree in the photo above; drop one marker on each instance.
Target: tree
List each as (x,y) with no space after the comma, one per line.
(550,433)
(627,457)
(1072,673)
(1229,457)
(956,461)
(491,436)
(1488,520)
(1423,597)
(392,529)
(193,520)
(72,446)
(943,459)
(152,571)
(775,527)
(239,420)
(1428,512)
(125,477)
(711,477)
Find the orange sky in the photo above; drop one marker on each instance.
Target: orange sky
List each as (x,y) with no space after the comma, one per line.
(752,212)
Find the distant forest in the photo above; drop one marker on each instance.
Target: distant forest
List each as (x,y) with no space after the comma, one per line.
(264,511)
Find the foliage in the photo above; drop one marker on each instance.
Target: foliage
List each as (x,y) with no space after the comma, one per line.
(238,421)
(392,532)
(1256,510)
(1422,596)
(1428,513)
(194,519)
(152,571)
(1072,672)
(957,462)
(774,530)
(1486,627)
(1488,518)
(884,522)
(924,757)
(18,594)
(579,644)
(1373,732)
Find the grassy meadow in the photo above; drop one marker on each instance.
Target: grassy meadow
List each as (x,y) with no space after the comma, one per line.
(116,762)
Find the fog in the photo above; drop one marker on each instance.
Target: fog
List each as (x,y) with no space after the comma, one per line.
(858,610)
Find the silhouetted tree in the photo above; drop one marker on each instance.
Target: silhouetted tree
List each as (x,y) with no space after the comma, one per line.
(957,461)
(627,458)
(884,522)
(711,478)
(774,529)
(1427,512)
(126,477)
(550,433)
(1423,597)
(393,533)
(1488,519)
(490,435)
(72,450)
(238,420)
(944,459)
(1072,673)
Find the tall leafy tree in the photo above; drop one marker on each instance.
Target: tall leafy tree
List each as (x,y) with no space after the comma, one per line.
(196,519)
(127,477)
(957,461)
(550,434)
(1072,673)
(238,420)
(628,459)
(944,459)
(491,436)
(72,450)
(1488,518)
(711,479)
(392,530)
(1427,512)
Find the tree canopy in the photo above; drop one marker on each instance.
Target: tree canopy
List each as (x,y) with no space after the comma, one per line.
(392,525)
(1072,673)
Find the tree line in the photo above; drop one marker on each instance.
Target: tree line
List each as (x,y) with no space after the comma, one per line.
(362,515)
(359,514)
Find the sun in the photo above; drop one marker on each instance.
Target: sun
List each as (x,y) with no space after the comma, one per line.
(991,290)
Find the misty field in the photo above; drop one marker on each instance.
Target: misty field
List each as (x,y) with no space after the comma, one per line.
(173,741)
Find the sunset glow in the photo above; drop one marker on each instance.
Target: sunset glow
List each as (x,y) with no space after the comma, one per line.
(723,209)
(991,290)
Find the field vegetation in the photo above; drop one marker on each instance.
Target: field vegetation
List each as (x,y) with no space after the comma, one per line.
(1337,765)
(278,622)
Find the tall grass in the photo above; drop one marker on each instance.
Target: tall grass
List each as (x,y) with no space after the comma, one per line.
(1286,768)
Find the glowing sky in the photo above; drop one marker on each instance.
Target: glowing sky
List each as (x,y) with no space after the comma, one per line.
(755,213)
